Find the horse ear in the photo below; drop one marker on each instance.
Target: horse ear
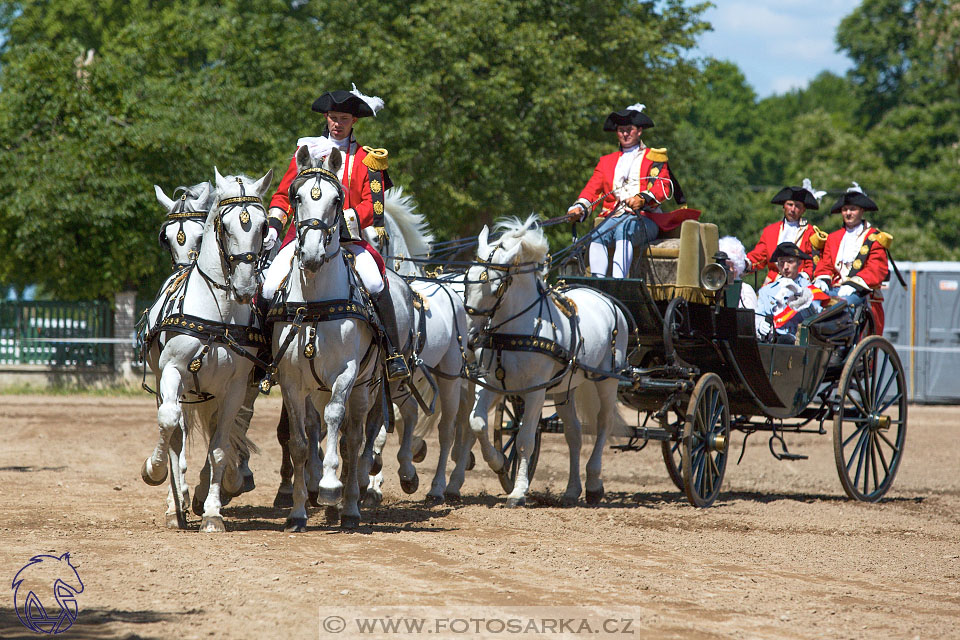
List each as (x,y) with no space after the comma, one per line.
(482,246)
(162,198)
(262,185)
(204,193)
(220,182)
(334,161)
(304,160)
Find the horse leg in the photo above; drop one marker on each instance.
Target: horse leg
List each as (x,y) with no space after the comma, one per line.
(350,513)
(478,424)
(607,390)
(331,488)
(573,434)
(169,416)
(178,495)
(526,439)
(244,415)
(463,444)
(284,497)
(374,494)
(409,480)
(298,444)
(449,403)
(313,427)
(372,429)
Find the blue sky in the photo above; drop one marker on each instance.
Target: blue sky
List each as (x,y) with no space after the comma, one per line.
(778,44)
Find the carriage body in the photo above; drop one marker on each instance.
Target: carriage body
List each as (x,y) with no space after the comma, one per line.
(697,371)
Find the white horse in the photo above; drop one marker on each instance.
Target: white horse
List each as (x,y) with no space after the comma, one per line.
(538,343)
(182,231)
(180,234)
(200,343)
(329,354)
(440,360)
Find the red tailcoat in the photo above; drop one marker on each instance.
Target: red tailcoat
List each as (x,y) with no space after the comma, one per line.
(656,184)
(356,190)
(873,272)
(759,257)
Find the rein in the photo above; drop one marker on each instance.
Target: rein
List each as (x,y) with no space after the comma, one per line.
(316,224)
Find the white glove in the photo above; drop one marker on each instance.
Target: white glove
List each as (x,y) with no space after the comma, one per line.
(801,301)
(271,239)
(788,292)
(822,283)
(764,328)
(846,290)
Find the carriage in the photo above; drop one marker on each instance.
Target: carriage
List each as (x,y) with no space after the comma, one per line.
(697,372)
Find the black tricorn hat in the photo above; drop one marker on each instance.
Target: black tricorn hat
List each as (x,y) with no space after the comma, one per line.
(631,115)
(855,196)
(789,250)
(797,194)
(344,101)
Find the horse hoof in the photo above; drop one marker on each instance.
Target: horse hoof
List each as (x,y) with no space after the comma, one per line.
(433,501)
(212,524)
(150,481)
(472,462)
(372,499)
(197,506)
(452,498)
(420,450)
(513,503)
(328,497)
(349,522)
(594,497)
(283,500)
(377,465)
(331,515)
(312,497)
(569,501)
(411,485)
(295,525)
(171,521)
(248,484)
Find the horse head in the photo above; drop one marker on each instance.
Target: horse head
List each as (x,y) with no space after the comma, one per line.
(234,231)
(182,231)
(317,199)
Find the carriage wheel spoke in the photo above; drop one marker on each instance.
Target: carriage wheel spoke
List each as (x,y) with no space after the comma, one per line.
(879,375)
(887,405)
(873,460)
(854,434)
(858,454)
(864,404)
(894,447)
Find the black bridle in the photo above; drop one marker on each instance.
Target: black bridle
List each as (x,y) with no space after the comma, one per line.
(232,260)
(505,280)
(179,214)
(316,224)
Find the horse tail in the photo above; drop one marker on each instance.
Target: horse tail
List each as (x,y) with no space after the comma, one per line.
(412,226)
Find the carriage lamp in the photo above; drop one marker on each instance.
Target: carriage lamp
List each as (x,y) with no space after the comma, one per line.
(713,277)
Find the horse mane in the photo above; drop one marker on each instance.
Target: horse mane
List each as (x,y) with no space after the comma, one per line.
(528,233)
(412,227)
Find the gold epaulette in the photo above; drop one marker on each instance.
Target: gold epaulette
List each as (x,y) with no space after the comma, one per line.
(818,239)
(375,159)
(657,155)
(882,237)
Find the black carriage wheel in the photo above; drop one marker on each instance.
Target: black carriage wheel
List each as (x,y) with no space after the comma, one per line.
(672,455)
(506,441)
(870,429)
(706,441)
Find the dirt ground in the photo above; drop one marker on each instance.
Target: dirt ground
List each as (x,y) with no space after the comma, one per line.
(782,554)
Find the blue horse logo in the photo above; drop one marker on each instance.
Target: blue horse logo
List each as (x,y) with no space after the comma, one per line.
(41,575)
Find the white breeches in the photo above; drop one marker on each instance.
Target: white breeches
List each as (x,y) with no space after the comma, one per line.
(364,263)
(366,268)
(622,258)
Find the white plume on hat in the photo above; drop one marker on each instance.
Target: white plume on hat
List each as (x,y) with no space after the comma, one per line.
(636,107)
(809,187)
(856,188)
(374,102)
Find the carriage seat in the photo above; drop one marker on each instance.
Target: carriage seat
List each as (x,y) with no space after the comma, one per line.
(676,262)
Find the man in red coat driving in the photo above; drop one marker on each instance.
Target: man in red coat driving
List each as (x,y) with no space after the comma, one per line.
(633,182)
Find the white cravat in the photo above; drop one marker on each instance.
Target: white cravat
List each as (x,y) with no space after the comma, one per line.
(626,181)
(850,248)
(790,232)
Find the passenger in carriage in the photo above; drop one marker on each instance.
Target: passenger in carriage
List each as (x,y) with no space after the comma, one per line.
(736,265)
(854,262)
(784,303)
(633,182)
(364,178)
(792,228)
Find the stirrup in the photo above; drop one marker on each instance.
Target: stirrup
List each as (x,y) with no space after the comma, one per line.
(397,368)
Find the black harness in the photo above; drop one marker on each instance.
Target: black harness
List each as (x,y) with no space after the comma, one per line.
(179,215)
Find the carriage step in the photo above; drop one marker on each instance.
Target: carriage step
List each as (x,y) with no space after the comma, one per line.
(792,456)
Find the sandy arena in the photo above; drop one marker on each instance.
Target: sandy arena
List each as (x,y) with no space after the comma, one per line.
(782,554)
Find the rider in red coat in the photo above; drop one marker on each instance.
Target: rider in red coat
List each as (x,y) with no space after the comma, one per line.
(633,182)
(792,228)
(363,176)
(854,262)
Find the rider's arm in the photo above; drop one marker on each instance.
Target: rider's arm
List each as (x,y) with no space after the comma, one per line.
(596,185)
(875,269)
(656,185)
(759,256)
(825,269)
(279,212)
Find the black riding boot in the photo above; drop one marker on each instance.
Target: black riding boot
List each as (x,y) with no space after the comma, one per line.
(396,365)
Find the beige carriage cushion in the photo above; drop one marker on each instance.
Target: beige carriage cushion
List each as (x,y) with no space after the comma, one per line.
(710,240)
(663,254)
(691,250)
